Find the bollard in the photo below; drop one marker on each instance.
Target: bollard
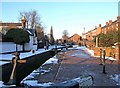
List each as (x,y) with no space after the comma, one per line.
(100,56)
(33,51)
(104,53)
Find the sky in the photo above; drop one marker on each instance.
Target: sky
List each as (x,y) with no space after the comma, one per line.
(70,16)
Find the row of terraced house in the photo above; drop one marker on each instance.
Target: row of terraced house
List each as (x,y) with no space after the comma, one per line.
(110,26)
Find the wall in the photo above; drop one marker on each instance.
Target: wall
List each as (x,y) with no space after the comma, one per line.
(107,49)
(11,47)
(117,51)
(75,38)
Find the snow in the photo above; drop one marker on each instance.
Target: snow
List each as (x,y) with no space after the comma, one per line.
(3,62)
(35,83)
(44,71)
(29,82)
(1,84)
(34,73)
(116,77)
(78,47)
(110,58)
(28,54)
(91,52)
(23,55)
(84,81)
(52,60)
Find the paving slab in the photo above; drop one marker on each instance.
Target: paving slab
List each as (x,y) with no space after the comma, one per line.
(75,63)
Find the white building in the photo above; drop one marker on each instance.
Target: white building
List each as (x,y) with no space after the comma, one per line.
(12,47)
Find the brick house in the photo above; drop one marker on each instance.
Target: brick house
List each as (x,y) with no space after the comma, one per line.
(110,26)
(4,27)
(75,38)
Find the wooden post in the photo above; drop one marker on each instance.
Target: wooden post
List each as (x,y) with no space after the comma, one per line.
(101,56)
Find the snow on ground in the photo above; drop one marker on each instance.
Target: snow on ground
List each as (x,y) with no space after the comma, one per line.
(35,83)
(27,80)
(23,55)
(3,62)
(116,77)
(91,52)
(52,60)
(84,80)
(1,84)
(110,58)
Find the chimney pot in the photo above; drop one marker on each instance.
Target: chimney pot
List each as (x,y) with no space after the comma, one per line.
(99,25)
(106,23)
(118,17)
(110,21)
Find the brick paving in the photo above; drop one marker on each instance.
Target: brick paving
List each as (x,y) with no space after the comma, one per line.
(75,63)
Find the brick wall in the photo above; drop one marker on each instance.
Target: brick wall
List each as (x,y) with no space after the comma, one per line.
(114,51)
(108,51)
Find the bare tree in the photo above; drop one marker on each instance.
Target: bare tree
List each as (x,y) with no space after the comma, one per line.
(32,18)
(40,33)
(65,36)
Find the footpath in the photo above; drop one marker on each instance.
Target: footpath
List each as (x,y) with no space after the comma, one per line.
(75,63)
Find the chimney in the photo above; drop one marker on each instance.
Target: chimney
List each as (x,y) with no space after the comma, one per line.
(118,18)
(106,23)
(110,21)
(95,27)
(99,25)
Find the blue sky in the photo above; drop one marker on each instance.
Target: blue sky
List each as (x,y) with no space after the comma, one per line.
(71,16)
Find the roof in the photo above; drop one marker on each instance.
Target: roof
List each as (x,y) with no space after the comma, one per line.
(90,31)
(9,24)
(109,24)
(74,35)
(101,27)
(31,31)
